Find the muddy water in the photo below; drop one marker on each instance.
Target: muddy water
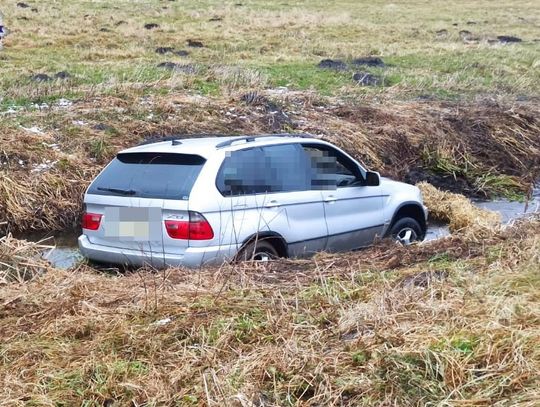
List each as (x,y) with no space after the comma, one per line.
(66,253)
(513,210)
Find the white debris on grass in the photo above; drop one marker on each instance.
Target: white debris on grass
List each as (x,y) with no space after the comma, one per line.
(146,101)
(79,123)
(54,146)
(47,165)
(62,103)
(33,129)
(11,110)
(163,321)
(40,106)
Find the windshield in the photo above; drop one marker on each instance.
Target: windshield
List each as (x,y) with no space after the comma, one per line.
(149,175)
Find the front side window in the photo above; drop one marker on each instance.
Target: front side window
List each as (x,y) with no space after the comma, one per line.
(331,169)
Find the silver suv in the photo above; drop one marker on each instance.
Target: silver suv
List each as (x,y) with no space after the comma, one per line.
(208,200)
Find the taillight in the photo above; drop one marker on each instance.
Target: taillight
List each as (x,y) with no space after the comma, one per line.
(91,221)
(197,228)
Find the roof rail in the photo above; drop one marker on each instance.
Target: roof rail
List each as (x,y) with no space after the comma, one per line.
(252,138)
(175,140)
(179,138)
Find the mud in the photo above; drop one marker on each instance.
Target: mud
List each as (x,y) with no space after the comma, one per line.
(445,182)
(194,43)
(506,39)
(185,68)
(367,79)
(336,65)
(62,75)
(41,77)
(369,61)
(164,50)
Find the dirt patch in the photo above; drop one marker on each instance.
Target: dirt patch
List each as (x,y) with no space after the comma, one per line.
(336,65)
(367,79)
(164,50)
(369,61)
(185,68)
(507,39)
(195,43)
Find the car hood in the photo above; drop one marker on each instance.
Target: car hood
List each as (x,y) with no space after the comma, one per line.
(392,187)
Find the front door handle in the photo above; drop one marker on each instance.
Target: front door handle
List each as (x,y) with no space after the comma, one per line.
(330,199)
(272,204)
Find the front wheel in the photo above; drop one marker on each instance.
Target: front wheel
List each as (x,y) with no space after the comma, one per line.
(406,231)
(258,250)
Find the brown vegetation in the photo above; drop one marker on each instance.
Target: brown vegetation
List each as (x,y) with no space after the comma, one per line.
(453,322)
(488,149)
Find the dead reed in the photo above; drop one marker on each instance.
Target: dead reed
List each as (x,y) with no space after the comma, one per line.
(451,322)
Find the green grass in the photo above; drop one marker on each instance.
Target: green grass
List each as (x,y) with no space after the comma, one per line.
(284,40)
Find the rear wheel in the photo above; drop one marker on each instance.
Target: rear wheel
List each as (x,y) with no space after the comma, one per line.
(406,231)
(258,250)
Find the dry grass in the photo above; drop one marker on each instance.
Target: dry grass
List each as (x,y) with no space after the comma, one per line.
(474,149)
(458,211)
(448,323)
(20,260)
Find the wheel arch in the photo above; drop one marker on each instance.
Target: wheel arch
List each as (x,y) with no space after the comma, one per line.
(274,238)
(409,209)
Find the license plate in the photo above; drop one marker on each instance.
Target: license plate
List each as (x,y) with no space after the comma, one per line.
(133,224)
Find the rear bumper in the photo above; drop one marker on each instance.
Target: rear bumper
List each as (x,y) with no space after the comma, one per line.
(192,257)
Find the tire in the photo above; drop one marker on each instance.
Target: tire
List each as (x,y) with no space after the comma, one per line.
(406,231)
(258,250)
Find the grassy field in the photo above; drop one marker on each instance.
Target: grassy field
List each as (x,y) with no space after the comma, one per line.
(454,322)
(256,44)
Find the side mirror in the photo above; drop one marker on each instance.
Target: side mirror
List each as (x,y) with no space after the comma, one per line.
(372,179)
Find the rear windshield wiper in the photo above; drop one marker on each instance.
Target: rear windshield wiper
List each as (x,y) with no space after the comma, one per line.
(118,191)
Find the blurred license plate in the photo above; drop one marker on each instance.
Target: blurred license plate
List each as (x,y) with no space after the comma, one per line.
(136,224)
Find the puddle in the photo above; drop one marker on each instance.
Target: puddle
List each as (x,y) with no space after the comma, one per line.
(511,210)
(66,253)
(436,231)
(63,257)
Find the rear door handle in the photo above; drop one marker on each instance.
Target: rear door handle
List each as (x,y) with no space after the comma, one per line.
(330,199)
(272,204)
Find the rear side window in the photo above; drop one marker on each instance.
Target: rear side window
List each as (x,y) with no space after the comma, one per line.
(149,175)
(280,168)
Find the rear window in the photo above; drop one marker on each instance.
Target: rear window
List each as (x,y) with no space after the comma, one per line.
(149,175)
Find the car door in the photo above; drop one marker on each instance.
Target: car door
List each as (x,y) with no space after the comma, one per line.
(267,190)
(353,211)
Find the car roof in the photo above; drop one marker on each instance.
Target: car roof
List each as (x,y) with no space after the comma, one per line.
(207,146)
